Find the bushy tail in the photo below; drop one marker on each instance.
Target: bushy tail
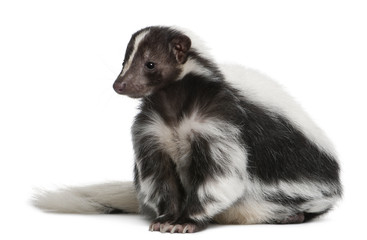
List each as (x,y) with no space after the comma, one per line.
(100,198)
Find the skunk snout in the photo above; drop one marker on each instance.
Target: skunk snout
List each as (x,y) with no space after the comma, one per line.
(119,87)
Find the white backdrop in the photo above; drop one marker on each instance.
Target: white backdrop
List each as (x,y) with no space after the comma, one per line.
(62,124)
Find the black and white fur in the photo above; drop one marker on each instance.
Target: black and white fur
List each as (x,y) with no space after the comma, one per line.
(212,143)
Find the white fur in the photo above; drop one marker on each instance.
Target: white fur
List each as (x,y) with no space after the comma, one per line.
(176,140)
(147,188)
(312,191)
(254,208)
(100,198)
(224,190)
(307,190)
(210,127)
(157,129)
(251,211)
(229,149)
(269,94)
(319,205)
(192,66)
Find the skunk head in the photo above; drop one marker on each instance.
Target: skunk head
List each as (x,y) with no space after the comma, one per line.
(154,58)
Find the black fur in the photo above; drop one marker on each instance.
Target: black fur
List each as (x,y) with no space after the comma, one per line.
(278,151)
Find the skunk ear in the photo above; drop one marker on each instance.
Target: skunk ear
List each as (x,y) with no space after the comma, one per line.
(180,46)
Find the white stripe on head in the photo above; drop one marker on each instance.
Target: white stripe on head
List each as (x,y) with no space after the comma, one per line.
(137,41)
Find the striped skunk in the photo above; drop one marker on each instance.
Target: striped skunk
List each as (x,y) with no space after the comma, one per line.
(212,143)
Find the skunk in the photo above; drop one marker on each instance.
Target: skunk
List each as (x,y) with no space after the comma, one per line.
(212,143)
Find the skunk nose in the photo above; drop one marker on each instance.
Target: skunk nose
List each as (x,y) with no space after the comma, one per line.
(119,87)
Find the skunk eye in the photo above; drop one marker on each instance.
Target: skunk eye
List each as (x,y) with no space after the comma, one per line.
(150,65)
